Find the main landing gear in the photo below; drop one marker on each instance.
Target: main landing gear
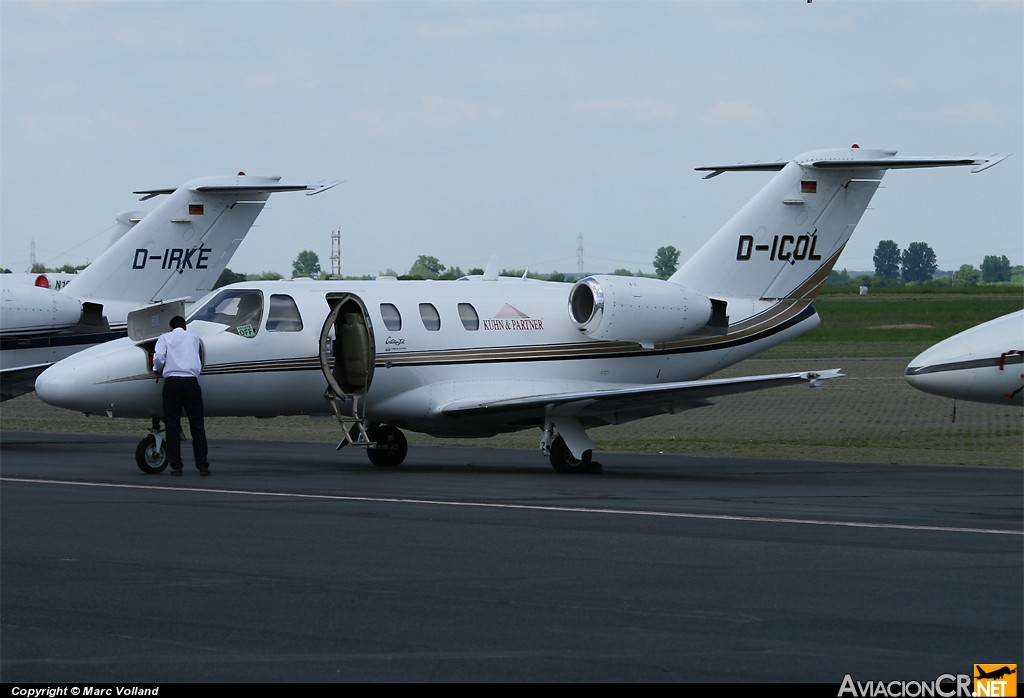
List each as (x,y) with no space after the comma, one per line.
(563,461)
(389,446)
(386,445)
(151,453)
(555,445)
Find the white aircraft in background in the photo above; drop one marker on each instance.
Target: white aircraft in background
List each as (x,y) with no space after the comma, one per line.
(177,251)
(982,364)
(482,356)
(59,279)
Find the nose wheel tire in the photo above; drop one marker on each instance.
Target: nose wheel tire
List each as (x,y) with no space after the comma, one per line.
(390,446)
(149,458)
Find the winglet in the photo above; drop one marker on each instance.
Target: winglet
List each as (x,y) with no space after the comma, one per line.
(321,187)
(816,379)
(990,162)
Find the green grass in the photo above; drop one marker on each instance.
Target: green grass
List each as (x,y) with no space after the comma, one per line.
(891,325)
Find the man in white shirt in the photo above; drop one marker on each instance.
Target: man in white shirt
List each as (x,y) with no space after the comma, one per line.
(177,358)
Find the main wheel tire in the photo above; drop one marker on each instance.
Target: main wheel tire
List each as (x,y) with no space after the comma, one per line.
(563,461)
(391,446)
(149,458)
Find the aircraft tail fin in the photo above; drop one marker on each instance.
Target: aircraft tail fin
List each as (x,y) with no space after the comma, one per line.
(785,241)
(179,249)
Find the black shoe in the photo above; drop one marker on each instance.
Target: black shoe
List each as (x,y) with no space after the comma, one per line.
(176,471)
(204,472)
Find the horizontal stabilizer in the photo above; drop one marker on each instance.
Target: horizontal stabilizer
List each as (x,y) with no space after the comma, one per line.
(233,185)
(908,163)
(843,163)
(180,248)
(309,188)
(716,170)
(784,242)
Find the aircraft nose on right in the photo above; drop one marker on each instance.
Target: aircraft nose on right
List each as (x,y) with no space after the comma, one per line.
(935,370)
(73,384)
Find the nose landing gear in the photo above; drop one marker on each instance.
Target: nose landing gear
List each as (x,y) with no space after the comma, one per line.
(151,453)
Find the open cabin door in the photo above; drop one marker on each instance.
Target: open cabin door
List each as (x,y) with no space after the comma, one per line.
(145,325)
(152,321)
(346,359)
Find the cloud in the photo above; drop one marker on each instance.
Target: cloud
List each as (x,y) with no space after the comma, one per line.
(435,112)
(972,114)
(645,107)
(736,112)
(902,84)
(448,112)
(533,25)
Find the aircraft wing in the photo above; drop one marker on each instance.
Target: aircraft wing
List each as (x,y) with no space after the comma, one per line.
(666,397)
(19,380)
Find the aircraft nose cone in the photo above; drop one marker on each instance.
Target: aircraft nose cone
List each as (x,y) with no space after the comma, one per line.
(73,385)
(943,369)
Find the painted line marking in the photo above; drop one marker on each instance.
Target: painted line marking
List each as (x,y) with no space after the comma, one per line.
(529,507)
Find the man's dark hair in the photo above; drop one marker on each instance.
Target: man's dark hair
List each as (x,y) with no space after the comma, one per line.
(177,321)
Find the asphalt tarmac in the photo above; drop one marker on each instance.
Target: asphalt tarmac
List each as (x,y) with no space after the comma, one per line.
(297,563)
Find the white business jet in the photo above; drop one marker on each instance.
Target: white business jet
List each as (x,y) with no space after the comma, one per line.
(59,279)
(177,251)
(482,356)
(982,364)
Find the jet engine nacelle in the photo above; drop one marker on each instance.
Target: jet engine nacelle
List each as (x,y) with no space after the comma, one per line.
(29,309)
(636,309)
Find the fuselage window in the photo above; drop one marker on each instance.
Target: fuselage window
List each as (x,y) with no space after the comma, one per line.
(392,318)
(283,315)
(470,320)
(240,310)
(431,318)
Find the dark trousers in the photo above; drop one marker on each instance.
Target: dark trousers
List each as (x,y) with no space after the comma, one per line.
(184,394)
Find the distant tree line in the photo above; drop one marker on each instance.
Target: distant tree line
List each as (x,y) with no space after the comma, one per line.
(917,265)
(307,265)
(38,268)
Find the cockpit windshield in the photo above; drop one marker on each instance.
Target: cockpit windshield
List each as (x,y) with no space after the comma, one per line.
(241,310)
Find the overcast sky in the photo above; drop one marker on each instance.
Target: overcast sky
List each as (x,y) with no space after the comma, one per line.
(468,129)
